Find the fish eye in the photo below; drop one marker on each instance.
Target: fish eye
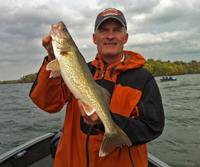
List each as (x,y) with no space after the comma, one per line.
(64,29)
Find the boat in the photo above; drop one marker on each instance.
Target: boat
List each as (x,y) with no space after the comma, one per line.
(36,153)
(167,79)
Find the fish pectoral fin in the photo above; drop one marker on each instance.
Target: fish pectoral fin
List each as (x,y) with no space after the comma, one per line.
(54,67)
(54,74)
(88,110)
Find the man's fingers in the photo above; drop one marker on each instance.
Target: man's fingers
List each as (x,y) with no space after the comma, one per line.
(46,40)
(47,43)
(106,94)
(91,120)
(81,108)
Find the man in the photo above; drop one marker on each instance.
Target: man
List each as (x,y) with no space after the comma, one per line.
(135,102)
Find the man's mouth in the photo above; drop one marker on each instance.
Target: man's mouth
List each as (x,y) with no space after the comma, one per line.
(110,44)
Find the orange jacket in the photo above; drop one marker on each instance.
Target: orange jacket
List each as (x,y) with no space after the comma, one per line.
(135,106)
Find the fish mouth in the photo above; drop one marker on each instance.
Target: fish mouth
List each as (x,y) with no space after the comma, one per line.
(53,31)
(55,34)
(55,28)
(57,25)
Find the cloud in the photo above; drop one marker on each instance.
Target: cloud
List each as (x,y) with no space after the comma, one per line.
(165,37)
(158,29)
(176,45)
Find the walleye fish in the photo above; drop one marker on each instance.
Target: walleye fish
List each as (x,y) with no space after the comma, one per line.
(73,68)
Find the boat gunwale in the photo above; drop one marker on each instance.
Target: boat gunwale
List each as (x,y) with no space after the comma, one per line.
(152,160)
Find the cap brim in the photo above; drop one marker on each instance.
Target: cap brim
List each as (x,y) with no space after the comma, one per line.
(109,17)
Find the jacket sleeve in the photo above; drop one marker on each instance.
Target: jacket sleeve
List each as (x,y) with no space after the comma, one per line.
(49,94)
(150,122)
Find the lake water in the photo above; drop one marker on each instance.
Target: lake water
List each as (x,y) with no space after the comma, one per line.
(179,145)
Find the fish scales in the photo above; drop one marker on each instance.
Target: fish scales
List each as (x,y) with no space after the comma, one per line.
(73,69)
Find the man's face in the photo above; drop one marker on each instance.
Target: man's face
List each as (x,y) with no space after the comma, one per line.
(110,38)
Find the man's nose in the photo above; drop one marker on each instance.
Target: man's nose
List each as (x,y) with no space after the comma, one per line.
(111,35)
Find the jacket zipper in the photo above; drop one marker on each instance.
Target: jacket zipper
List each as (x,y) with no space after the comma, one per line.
(103,75)
(87,143)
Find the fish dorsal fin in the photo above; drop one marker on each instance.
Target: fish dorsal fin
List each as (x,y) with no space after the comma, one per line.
(54,67)
(88,110)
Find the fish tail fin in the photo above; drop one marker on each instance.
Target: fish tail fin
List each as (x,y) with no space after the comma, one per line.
(112,140)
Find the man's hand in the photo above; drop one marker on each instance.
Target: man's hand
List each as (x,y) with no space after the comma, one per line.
(93,119)
(90,120)
(47,43)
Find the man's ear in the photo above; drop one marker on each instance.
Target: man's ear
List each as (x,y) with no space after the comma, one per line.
(94,38)
(126,38)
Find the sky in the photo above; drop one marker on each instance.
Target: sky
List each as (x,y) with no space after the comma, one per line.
(158,29)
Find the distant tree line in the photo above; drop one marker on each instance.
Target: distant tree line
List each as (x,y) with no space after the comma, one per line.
(156,67)
(25,79)
(167,68)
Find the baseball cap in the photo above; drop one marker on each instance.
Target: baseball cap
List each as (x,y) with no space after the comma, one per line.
(110,13)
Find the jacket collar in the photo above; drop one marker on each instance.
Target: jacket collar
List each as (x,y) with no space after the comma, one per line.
(132,60)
